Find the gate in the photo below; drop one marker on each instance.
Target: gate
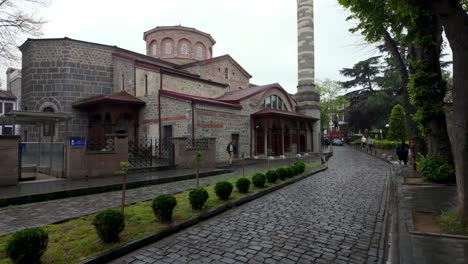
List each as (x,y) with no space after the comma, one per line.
(147,153)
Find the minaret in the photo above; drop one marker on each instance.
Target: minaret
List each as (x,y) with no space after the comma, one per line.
(308,99)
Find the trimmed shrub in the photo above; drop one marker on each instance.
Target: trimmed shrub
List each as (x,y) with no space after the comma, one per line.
(27,245)
(259,180)
(243,185)
(435,170)
(223,190)
(290,172)
(300,167)
(163,205)
(198,197)
(451,223)
(272,175)
(109,223)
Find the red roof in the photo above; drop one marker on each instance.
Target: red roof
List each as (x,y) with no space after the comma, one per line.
(268,112)
(215,59)
(241,95)
(199,99)
(7,95)
(120,97)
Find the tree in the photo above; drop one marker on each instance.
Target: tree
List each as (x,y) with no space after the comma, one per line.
(18,19)
(363,74)
(330,99)
(397,129)
(454,18)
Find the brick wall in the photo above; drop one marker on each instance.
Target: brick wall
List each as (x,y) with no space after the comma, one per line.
(57,73)
(192,87)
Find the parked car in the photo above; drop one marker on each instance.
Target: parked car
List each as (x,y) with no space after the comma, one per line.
(337,142)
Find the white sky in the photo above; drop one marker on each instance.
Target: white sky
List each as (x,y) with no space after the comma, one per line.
(259,34)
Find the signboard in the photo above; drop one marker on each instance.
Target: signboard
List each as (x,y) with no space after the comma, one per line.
(77,142)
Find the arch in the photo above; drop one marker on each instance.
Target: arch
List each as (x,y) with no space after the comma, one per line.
(153,49)
(184,48)
(210,53)
(276,101)
(259,138)
(125,125)
(107,124)
(167,47)
(95,128)
(200,51)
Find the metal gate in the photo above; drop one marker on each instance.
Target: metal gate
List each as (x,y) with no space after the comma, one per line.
(152,152)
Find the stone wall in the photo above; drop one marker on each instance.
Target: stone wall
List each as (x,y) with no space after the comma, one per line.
(176,113)
(221,123)
(216,71)
(57,73)
(9,160)
(191,87)
(184,156)
(124,75)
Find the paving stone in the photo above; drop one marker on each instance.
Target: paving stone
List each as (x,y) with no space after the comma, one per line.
(331,217)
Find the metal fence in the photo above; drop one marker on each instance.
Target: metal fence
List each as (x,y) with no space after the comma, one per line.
(42,156)
(197,143)
(150,152)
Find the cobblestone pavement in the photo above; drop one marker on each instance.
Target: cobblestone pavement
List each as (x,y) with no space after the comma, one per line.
(18,217)
(332,217)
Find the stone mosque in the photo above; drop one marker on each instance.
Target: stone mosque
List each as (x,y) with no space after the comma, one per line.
(177,89)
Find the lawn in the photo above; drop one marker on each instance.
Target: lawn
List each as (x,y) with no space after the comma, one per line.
(76,240)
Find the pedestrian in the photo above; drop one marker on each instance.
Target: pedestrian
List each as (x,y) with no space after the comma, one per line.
(363,142)
(399,153)
(369,144)
(404,152)
(230,150)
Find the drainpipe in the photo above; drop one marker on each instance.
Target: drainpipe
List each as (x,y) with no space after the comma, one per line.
(193,124)
(159,110)
(251,136)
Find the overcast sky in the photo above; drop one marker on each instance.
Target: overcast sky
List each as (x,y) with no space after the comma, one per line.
(259,34)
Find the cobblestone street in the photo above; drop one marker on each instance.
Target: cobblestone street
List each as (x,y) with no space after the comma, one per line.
(332,217)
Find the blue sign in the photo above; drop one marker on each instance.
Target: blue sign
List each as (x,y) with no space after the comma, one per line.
(77,142)
(23,146)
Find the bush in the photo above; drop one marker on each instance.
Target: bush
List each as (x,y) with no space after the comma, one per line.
(243,185)
(27,245)
(436,170)
(109,223)
(259,180)
(290,172)
(300,167)
(272,175)
(223,190)
(451,223)
(163,205)
(198,197)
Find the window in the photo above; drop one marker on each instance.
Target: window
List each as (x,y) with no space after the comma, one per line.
(154,49)
(184,49)
(146,85)
(48,128)
(274,102)
(122,79)
(226,73)
(267,102)
(168,48)
(280,104)
(1,108)
(8,107)
(200,52)
(285,108)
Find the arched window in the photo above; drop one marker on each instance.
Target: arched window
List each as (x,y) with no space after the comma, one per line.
(200,52)
(168,48)
(48,128)
(226,73)
(146,85)
(184,49)
(122,79)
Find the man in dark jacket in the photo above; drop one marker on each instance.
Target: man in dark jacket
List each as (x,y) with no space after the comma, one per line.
(230,150)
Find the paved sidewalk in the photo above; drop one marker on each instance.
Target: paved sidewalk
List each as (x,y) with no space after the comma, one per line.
(419,249)
(38,214)
(336,216)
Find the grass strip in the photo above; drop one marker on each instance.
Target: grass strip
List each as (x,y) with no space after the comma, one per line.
(76,240)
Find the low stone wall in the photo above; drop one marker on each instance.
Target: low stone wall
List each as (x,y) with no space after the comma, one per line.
(82,163)
(9,160)
(184,156)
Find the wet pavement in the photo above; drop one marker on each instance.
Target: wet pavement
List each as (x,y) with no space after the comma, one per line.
(336,216)
(14,218)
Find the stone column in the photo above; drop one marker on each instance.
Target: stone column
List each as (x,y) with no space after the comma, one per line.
(308,99)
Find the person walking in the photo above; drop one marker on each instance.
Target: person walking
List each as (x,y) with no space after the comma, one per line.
(230,150)
(404,152)
(369,144)
(363,142)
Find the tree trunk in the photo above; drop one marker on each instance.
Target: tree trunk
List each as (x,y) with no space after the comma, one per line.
(412,128)
(455,22)
(430,30)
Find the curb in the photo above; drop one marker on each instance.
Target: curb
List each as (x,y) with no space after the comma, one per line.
(418,233)
(101,189)
(137,244)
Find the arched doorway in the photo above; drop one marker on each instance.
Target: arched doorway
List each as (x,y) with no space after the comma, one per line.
(259,139)
(276,141)
(302,138)
(287,138)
